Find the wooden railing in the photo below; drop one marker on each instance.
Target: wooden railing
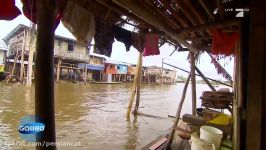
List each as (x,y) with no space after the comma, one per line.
(71,55)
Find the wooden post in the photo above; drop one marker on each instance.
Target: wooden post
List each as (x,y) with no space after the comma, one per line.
(138,84)
(15,62)
(205,79)
(86,74)
(193,82)
(22,57)
(59,61)
(171,135)
(44,72)
(31,52)
(134,89)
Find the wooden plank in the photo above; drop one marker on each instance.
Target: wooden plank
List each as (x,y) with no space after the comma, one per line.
(223,23)
(158,143)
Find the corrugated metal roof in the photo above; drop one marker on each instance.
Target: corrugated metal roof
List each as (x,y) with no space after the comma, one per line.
(109,61)
(3,46)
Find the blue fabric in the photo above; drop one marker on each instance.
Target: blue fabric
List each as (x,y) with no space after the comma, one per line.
(92,67)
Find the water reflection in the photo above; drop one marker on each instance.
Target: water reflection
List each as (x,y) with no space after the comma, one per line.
(95,114)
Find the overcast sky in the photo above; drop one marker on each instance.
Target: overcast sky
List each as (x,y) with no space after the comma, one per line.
(178,59)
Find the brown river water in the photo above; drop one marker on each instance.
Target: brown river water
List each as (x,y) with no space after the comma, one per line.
(93,116)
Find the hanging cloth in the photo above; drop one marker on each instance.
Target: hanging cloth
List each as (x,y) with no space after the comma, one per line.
(223,43)
(138,41)
(30,10)
(151,45)
(79,22)
(8,10)
(123,36)
(104,37)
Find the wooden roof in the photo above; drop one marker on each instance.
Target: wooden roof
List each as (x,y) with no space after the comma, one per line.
(177,21)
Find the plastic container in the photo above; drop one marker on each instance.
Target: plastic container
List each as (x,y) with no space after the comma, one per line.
(200,144)
(212,135)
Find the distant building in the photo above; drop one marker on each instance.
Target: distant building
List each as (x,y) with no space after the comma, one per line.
(115,71)
(67,52)
(95,67)
(3,52)
(155,74)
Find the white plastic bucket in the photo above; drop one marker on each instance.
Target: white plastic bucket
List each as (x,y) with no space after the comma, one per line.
(212,135)
(199,144)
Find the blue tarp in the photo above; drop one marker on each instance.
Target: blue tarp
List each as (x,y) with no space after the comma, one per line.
(91,67)
(122,69)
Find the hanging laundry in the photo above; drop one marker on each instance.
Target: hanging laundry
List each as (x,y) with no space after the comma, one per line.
(30,10)
(8,10)
(223,43)
(79,22)
(123,36)
(138,41)
(151,45)
(104,37)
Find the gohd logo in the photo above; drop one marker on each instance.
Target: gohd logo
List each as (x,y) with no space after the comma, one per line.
(29,129)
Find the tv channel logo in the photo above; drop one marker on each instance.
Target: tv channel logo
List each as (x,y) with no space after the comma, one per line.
(30,130)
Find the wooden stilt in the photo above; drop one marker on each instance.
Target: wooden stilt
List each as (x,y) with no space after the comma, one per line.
(31,53)
(193,82)
(86,74)
(15,62)
(205,79)
(138,84)
(22,58)
(44,72)
(134,89)
(171,135)
(59,61)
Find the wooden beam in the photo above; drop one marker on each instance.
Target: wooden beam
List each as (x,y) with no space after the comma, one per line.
(149,6)
(223,23)
(44,72)
(178,113)
(199,75)
(196,13)
(155,21)
(193,82)
(119,10)
(205,79)
(255,121)
(205,6)
(187,12)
